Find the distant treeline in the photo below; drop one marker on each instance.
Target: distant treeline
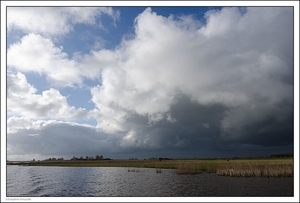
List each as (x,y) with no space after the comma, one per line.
(100,157)
(283,155)
(97,157)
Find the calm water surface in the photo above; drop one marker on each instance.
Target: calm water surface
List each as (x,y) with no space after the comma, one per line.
(34,181)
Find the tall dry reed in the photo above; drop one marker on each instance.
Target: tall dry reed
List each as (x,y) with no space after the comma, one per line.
(263,169)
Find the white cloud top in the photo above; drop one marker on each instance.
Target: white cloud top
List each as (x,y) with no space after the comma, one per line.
(54,20)
(23,100)
(37,54)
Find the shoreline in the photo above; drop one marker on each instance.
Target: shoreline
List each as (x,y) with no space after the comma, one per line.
(273,167)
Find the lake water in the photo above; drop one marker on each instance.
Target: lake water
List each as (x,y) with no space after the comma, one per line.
(32,181)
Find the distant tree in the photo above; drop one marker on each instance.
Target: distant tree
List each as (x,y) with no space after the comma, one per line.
(81,158)
(99,157)
(87,157)
(33,159)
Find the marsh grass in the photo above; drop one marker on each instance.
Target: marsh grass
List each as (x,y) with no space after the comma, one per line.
(198,166)
(191,168)
(237,168)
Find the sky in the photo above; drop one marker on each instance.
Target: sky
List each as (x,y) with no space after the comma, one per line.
(149,82)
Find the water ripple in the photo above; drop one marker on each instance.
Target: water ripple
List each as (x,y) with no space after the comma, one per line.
(118,182)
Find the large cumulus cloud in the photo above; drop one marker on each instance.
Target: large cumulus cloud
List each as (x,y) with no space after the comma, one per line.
(240,59)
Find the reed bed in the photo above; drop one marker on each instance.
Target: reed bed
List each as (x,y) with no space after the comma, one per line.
(260,168)
(256,172)
(133,170)
(158,170)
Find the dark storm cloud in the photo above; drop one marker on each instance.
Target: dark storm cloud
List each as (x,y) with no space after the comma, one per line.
(196,132)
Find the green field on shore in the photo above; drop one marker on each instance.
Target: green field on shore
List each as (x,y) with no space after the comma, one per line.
(270,167)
